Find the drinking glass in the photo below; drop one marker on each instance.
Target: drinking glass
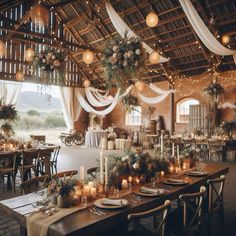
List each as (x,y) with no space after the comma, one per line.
(116,193)
(84,201)
(153,180)
(157,176)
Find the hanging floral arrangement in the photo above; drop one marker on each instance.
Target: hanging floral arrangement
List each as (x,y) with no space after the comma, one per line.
(214,90)
(123,60)
(130,101)
(49,64)
(8,112)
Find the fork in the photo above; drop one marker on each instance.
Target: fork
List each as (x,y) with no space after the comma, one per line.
(138,198)
(98,210)
(95,212)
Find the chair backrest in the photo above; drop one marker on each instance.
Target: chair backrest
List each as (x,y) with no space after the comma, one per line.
(34,184)
(55,153)
(215,145)
(8,160)
(30,156)
(192,209)
(189,142)
(92,172)
(215,194)
(159,227)
(65,173)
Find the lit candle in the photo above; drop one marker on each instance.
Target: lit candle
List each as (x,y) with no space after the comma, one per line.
(81,173)
(185,166)
(130,179)
(178,152)
(87,190)
(93,192)
(124,184)
(11,146)
(171,169)
(101,168)
(137,181)
(4,146)
(161,145)
(106,171)
(162,173)
(173,149)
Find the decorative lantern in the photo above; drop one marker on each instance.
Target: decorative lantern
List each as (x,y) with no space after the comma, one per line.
(20,76)
(40,15)
(29,54)
(225,39)
(87,83)
(139,85)
(154,57)
(88,56)
(2,48)
(152,19)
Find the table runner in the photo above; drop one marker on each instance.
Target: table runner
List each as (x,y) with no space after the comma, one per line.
(38,223)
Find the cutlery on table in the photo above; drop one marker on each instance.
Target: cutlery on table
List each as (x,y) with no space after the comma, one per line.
(95,212)
(102,212)
(138,198)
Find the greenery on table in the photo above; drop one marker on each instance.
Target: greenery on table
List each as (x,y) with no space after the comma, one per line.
(123,60)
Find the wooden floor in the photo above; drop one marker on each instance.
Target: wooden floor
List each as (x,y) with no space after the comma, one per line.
(73,157)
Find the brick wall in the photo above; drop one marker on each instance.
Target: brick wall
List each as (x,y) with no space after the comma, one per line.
(185,88)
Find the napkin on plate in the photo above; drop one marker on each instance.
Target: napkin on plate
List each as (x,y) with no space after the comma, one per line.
(151,190)
(113,202)
(176,180)
(195,172)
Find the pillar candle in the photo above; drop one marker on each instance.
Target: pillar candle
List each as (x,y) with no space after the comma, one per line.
(81,173)
(178,152)
(106,171)
(87,190)
(93,192)
(162,173)
(173,149)
(101,168)
(137,181)
(124,184)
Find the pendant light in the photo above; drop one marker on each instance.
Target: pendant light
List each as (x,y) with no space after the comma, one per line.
(2,48)
(152,19)
(87,83)
(29,54)
(39,15)
(154,57)
(88,56)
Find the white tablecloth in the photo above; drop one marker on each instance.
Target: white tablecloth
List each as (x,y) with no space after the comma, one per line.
(93,138)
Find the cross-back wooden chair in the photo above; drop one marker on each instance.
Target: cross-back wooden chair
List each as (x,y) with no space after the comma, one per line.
(34,184)
(92,172)
(216,199)
(8,166)
(29,162)
(215,149)
(188,217)
(53,161)
(158,225)
(64,173)
(189,143)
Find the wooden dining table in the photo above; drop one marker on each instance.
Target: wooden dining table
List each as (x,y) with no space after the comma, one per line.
(85,223)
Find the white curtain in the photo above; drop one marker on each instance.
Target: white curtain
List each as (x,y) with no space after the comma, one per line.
(70,106)
(203,32)
(10,91)
(122,28)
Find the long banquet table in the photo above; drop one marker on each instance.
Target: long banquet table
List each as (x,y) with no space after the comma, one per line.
(85,223)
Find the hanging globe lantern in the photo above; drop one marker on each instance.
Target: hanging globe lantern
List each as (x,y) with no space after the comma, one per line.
(225,39)
(139,85)
(152,19)
(88,56)
(29,54)
(154,57)
(39,15)
(2,48)
(87,83)
(20,76)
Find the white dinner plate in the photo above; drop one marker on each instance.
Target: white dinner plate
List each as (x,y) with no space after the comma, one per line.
(98,203)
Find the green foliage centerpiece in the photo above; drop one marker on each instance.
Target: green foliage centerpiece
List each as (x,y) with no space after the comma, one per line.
(123,60)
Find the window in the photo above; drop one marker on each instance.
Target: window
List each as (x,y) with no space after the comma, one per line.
(133,117)
(182,109)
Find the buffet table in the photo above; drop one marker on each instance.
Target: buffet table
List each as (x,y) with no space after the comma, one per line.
(93,138)
(84,223)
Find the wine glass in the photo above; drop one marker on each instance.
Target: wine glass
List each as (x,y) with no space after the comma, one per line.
(157,176)
(153,180)
(116,193)
(84,201)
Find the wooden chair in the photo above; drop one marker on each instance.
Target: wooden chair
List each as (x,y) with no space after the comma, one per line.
(65,173)
(215,200)
(188,218)
(215,149)
(8,166)
(34,184)
(159,227)
(189,143)
(29,162)
(92,172)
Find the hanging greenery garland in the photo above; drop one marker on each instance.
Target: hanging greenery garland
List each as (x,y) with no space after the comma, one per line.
(130,101)
(123,60)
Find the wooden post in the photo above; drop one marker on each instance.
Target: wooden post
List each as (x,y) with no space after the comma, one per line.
(172,115)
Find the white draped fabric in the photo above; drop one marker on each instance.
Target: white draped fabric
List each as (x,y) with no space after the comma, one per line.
(157,90)
(122,28)
(10,91)
(154,100)
(203,32)
(70,106)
